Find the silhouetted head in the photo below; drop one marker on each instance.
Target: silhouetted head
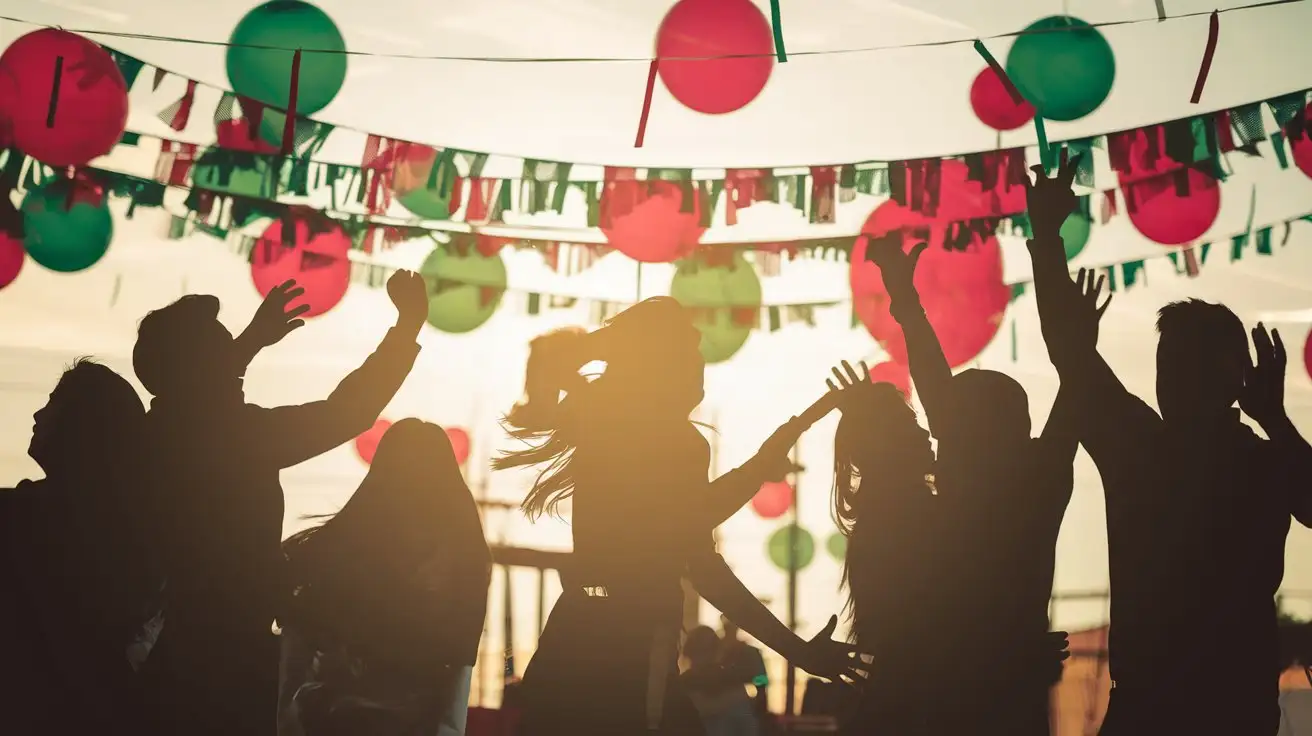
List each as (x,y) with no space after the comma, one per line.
(992,403)
(183,349)
(1202,354)
(877,435)
(702,646)
(91,418)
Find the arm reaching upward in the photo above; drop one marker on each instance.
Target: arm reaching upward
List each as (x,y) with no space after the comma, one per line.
(1263,399)
(929,366)
(274,320)
(294,434)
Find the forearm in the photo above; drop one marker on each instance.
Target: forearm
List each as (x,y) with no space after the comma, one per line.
(1295,463)
(930,371)
(361,396)
(1053,289)
(731,491)
(717,583)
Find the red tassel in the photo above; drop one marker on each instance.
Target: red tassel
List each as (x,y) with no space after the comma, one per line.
(646,104)
(1213,31)
(289,127)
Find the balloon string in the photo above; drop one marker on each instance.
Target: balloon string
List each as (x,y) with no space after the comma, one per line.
(54,92)
(1213,34)
(602,59)
(646,103)
(1001,73)
(776,23)
(289,125)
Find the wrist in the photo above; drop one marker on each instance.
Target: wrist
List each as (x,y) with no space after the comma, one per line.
(408,326)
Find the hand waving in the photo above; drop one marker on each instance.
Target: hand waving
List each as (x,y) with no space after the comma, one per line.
(896,267)
(1263,397)
(1087,313)
(836,661)
(1051,200)
(410,296)
(275,318)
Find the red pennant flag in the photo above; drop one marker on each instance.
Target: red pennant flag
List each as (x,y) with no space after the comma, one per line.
(289,127)
(1213,32)
(646,104)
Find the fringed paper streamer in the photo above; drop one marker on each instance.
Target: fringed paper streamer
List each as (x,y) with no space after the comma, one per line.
(1213,32)
(777,24)
(1161,10)
(1010,86)
(646,103)
(54,92)
(1045,151)
(289,126)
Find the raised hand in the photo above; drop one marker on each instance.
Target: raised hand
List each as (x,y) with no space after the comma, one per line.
(1050,200)
(1263,397)
(410,296)
(896,267)
(1087,313)
(275,318)
(832,660)
(842,385)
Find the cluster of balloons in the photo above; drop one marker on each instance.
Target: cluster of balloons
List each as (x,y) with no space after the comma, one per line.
(780,542)
(366,445)
(64,102)
(1063,68)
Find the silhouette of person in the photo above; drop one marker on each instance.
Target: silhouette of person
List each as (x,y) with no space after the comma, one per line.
(746,662)
(218,503)
(78,587)
(1007,495)
(715,688)
(623,449)
(396,584)
(1198,506)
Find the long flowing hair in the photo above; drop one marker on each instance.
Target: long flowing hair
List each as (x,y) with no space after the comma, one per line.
(414,483)
(552,427)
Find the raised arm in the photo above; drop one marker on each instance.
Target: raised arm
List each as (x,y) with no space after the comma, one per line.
(1263,399)
(294,434)
(929,367)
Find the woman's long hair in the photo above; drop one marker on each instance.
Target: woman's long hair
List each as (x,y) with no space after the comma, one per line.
(552,427)
(865,439)
(413,504)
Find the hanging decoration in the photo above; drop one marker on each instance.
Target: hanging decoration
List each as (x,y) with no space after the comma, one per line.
(12,256)
(70,103)
(306,246)
(836,545)
(1299,133)
(691,46)
(465,284)
(725,296)
(961,289)
(780,543)
(1075,233)
(897,374)
(993,104)
(1307,355)
(773,500)
(67,225)
(236,173)
(366,445)
(1176,209)
(460,445)
(432,195)
(1062,65)
(259,58)
(8,98)
(652,221)
(236,134)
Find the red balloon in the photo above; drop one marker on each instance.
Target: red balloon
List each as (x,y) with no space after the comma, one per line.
(960,198)
(993,104)
(459,443)
(367,444)
(1165,213)
(91,107)
(316,257)
(235,135)
(12,256)
(1307,355)
(1301,144)
(8,91)
(644,220)
(773,500)
(962,291)
(1141,154)
(897,374)
(695,33)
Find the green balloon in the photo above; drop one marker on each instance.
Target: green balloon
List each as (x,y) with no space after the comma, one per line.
(837,546)
(464,291)
(427,203)
(1075,233)
(236,173)
(719,295)
(265,74)
(1063,66)
(63,237)
(779,543)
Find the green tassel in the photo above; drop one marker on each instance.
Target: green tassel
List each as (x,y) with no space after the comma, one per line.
(1017,290)
(594,202)
(1130,272)
(1110,272)
(562,187)
(1202,253)
(1278,143)
(1237,245)
(1014,348)
(1264,241)
(534,304)
(774,319)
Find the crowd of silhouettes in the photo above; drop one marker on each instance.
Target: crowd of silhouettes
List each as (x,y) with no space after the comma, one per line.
(147,587)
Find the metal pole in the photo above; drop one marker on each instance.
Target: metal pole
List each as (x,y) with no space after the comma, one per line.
(790,679)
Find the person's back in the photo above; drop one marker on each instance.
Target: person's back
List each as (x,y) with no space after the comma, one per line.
(714,688)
